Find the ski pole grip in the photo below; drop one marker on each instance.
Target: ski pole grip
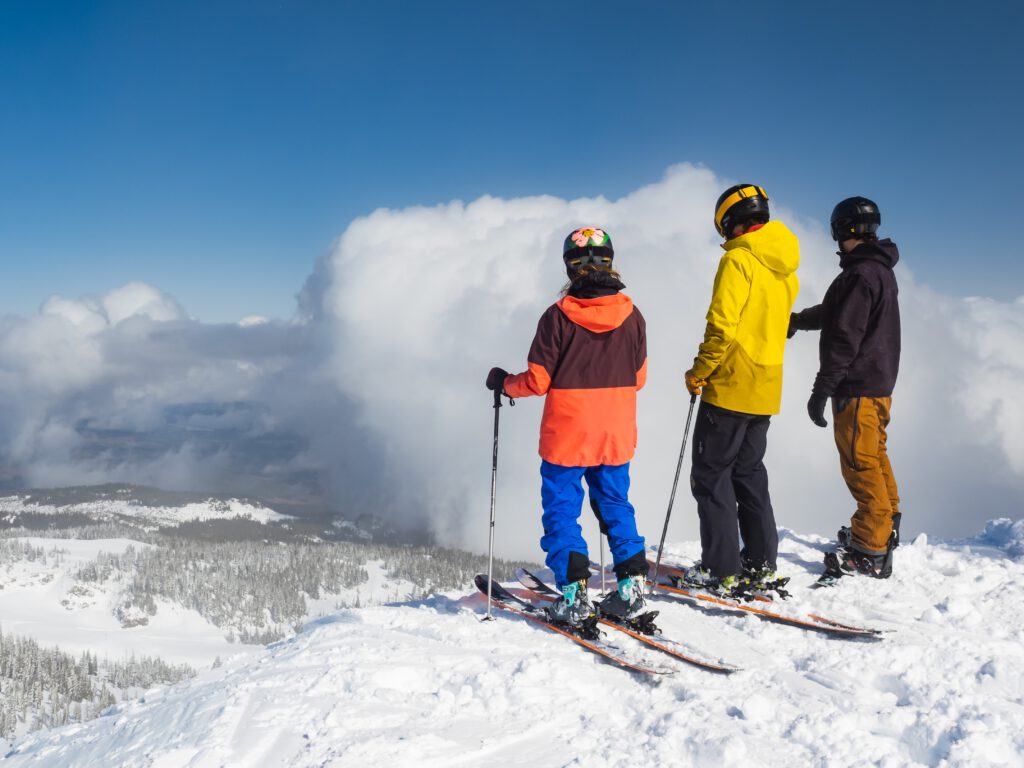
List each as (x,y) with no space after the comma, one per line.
(497,398)
(693,398)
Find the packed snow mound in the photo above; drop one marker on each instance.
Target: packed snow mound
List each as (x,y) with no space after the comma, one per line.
(429,684)
(151,515)
(1006,535)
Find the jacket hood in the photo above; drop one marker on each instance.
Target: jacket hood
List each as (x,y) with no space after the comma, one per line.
(773,245)
(884,252)
(601,314)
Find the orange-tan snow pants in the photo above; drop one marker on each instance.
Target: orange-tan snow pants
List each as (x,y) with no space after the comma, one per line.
(860,437)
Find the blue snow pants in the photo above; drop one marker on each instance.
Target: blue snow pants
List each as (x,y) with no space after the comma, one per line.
(561,495)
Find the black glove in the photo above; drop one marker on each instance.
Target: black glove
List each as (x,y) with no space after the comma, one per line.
(792,327)
(496,379)
(816,409)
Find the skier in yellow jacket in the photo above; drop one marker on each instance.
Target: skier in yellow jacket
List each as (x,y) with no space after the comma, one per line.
(738,373)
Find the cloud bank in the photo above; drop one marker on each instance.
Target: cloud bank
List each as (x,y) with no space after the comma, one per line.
(423,301)
(372,395)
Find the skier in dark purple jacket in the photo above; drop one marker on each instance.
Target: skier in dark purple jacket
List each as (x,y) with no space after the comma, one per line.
(859,352)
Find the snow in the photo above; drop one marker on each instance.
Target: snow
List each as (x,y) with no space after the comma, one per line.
(155,516)
(377,589)
(429,684)
(45,602)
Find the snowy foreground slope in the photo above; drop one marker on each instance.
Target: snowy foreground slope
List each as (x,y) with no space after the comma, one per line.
(428,684)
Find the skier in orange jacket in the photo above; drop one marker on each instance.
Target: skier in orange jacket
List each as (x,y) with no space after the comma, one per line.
(589,358)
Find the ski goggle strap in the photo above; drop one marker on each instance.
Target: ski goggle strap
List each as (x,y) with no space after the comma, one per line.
(735,197)
(581,257)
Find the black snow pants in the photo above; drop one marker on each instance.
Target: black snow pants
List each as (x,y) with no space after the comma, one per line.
(730,483)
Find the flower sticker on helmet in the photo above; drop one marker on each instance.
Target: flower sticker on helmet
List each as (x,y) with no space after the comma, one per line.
(588,236)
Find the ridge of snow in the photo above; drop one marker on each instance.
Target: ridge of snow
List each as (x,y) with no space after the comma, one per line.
(429,684)
(211,509)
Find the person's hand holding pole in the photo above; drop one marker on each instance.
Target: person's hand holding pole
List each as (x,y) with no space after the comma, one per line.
(693,384)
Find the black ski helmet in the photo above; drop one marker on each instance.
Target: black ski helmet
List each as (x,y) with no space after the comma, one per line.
(587,245)
(855,218)
(740,203)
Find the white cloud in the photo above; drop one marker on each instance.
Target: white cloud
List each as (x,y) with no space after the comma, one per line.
(140,300)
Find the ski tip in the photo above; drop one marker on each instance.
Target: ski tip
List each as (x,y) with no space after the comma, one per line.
(825,580)
(722,669)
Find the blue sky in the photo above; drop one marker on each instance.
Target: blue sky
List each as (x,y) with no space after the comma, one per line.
(215,149)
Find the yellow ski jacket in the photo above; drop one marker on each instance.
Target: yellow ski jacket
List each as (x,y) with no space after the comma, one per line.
(745,338)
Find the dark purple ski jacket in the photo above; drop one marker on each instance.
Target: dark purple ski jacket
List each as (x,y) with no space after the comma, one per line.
(859,320)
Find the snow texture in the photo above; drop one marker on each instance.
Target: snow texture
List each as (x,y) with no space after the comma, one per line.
(429,684)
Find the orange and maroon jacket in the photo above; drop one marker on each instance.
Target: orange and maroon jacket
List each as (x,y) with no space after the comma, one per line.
(589,357)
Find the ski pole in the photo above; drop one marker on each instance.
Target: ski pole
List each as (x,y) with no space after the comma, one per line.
(672,497)
(494,486)
(602,532)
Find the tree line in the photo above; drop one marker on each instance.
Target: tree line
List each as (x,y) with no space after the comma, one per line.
(46,687)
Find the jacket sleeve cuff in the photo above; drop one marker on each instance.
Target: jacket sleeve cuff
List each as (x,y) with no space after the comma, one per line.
(806,319)
(701,369)
(822,388)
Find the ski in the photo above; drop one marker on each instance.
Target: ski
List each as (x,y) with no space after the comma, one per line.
(676,650)
(832,573)
(535,613)
(811,621)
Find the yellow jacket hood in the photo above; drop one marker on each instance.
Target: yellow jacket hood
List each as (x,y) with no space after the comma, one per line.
(773,245)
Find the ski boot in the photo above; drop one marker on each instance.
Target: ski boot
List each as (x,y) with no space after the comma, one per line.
(628,607)
(894,541)
(574,610)
(763,580)
(696,577)
(852,560)
(845,534)
(849,559)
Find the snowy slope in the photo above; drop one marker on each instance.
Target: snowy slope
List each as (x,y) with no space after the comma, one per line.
(430,685)
(45,602)
(152,515)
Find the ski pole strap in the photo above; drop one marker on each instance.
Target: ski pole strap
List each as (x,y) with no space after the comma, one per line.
(497,398)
